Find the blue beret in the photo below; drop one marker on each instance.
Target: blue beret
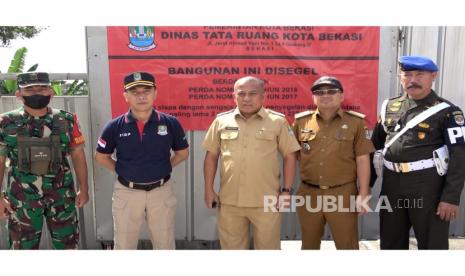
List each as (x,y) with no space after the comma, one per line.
(410,63)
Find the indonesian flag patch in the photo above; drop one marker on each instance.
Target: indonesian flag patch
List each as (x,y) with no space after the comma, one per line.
(102,142)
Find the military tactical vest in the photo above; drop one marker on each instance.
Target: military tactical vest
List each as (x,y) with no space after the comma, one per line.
(36,155)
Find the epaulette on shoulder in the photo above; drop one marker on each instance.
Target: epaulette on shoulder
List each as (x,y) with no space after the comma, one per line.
(276,113)
(224,113)
(396,97)
(14,115)
(63,114)
(356,114)
(15,112)
(303,114)
(442,100)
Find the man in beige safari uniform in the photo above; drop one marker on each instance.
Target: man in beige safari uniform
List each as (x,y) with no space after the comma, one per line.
(248,139)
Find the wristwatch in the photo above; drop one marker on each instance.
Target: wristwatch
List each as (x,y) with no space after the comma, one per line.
(287,190)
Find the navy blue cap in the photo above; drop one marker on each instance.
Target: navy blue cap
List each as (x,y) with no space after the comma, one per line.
(327,80)
(138,78)
(410,63)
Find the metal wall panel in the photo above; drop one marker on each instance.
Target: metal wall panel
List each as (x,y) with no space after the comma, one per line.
(453,89)
(387,87)
(422,41)
(204,219)
(453,67)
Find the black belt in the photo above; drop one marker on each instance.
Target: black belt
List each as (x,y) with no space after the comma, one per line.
(323,187)
(143,186)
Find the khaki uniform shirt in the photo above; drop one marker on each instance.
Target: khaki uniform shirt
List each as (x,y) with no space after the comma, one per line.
(328,150)
(248,150)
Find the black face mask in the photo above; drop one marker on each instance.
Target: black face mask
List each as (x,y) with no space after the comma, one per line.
(36,101)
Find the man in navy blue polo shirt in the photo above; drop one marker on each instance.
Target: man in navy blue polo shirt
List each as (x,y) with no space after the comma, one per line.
(143,139)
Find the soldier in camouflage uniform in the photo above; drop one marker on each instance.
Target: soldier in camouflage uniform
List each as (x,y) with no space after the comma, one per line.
(35,141)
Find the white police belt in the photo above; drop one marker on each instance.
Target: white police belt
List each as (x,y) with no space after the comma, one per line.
(410,166)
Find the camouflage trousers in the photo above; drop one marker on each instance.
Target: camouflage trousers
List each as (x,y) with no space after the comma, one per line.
(33,198)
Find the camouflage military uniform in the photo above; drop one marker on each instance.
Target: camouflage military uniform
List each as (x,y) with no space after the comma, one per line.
(33,196)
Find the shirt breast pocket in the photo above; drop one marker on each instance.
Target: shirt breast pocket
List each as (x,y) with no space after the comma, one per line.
(423,132)
(391,121)
(345,143)
(229,140)
(265,140)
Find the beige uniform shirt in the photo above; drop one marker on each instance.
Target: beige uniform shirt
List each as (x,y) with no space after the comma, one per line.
(248,150)
(328,150)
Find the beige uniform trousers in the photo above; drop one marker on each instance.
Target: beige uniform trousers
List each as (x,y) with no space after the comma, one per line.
(234,223)
(132,207)
(343,225)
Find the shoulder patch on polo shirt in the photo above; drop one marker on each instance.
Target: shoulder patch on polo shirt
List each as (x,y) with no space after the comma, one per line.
(102,143)
(303,114)
(356,114)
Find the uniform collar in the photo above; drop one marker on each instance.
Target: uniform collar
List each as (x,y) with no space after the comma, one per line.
(26,115)
(339,113)
(261,113)
(430,100)
(129,118)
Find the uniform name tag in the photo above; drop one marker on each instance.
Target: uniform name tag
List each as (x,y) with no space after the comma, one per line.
(232,128)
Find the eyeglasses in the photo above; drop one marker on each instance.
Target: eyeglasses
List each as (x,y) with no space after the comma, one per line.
(321,92)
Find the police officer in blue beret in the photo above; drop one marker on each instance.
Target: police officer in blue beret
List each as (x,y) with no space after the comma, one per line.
(420,157)
(143,139)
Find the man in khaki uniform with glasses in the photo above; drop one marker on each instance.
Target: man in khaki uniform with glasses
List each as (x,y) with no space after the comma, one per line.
(335,148)
(248,139)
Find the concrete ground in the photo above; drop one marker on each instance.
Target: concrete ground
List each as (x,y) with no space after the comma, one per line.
(457,243)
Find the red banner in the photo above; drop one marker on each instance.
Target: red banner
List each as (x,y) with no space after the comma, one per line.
(196,67)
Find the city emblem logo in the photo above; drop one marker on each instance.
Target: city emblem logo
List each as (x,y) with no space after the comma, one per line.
(162,130)
(459,120)
(141,38)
